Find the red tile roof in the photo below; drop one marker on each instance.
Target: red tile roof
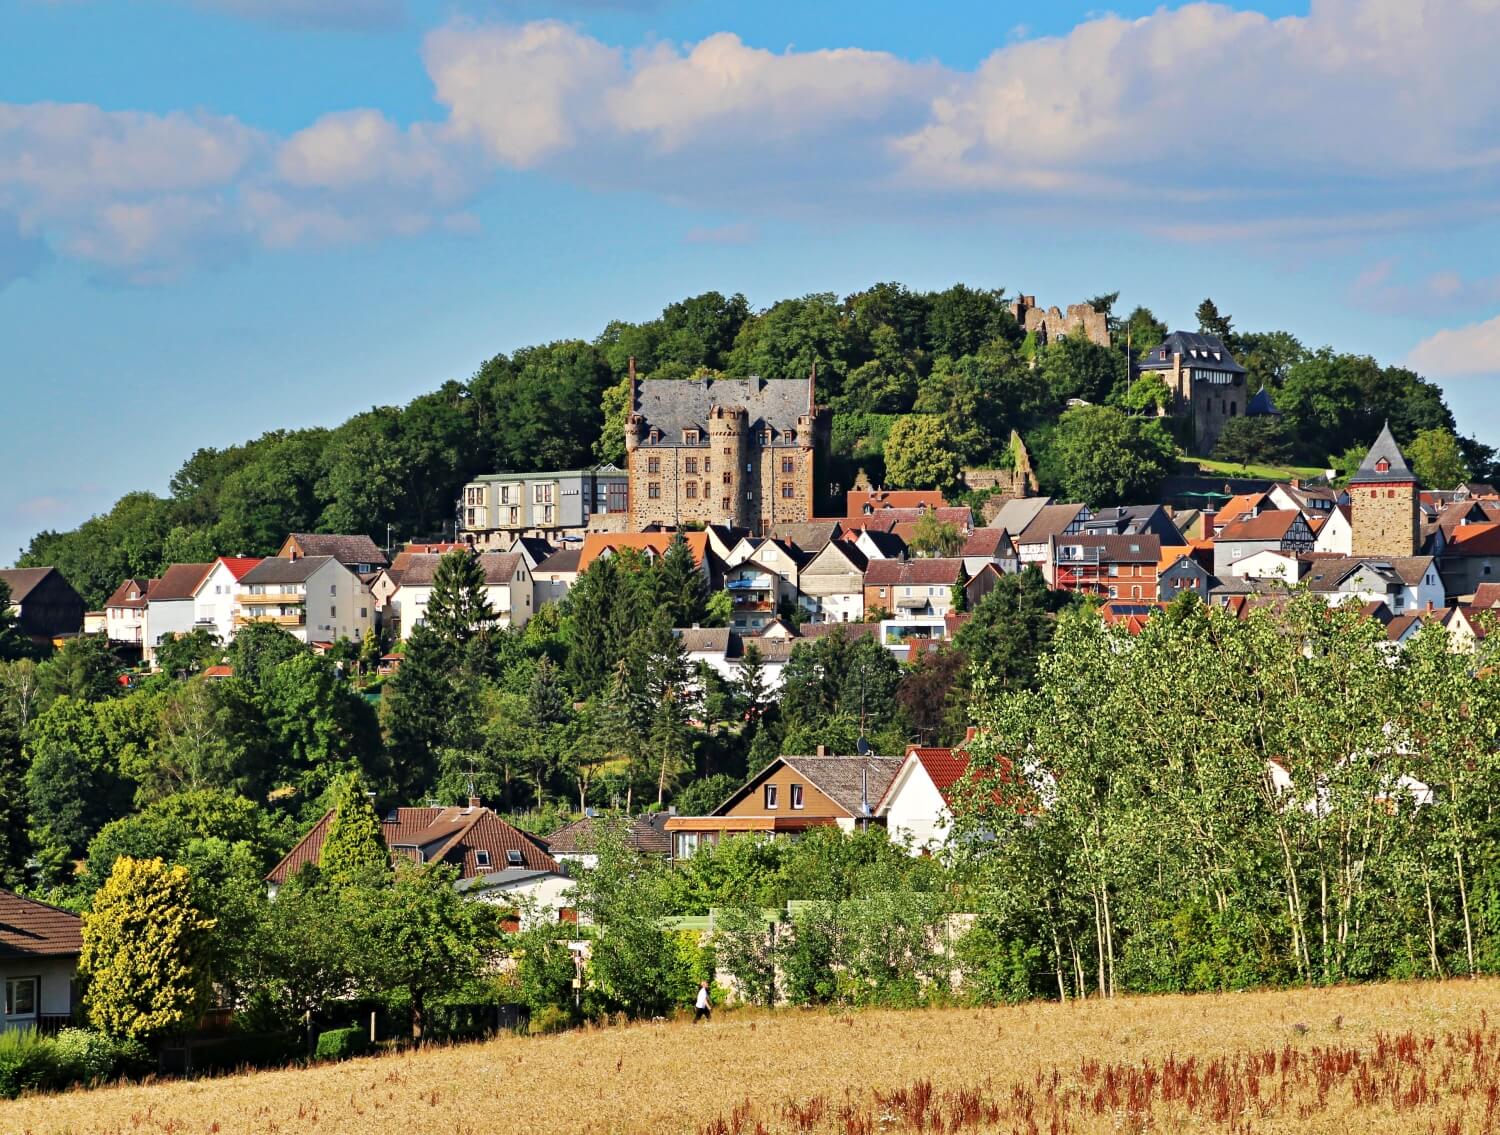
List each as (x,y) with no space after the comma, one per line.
(441,835)
(239,565)
(1487,595)
(985,542)
(597,543)
(1273,524)
(886,573)
(31,929)
(881,499)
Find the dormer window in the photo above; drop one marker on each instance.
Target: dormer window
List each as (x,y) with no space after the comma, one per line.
(765,437)
(689,437)
(1382,466)
(655,436)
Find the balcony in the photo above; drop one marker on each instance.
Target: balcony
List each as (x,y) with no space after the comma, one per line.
(280,619)
(749,603)
(272,599)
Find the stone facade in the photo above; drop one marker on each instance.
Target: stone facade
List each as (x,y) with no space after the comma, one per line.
(1207,384)
(1384,503)
(1050,324)
(742,452)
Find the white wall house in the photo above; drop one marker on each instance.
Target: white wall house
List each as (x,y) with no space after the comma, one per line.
(315,598)
(507,588)
(1337,534)
(915,807)
(170,605)
(125,613)
(39,947)
(723,651)
(1268,564)
(833,583)
(216,602)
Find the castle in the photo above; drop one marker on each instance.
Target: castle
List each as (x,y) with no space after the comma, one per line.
(1209,387)
(738,451)
(1049,324)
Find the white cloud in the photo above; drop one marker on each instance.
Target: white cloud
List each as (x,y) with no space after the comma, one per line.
(1470,350)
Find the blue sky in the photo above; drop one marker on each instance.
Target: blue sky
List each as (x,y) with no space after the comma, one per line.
(219,217)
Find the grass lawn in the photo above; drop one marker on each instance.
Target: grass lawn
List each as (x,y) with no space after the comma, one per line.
(1265,472)
(1419,1057)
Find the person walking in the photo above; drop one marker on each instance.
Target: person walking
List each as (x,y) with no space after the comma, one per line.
(701,1010)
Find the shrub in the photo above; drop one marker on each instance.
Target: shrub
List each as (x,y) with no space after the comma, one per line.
(85,1055)
(28,1062)
(549,1019)
(340,1044)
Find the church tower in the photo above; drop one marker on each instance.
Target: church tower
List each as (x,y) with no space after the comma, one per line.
(1384,504)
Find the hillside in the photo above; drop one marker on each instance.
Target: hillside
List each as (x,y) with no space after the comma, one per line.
(956,360)
(1389,1058)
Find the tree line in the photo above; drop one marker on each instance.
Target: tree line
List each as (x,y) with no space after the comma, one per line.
(921,385)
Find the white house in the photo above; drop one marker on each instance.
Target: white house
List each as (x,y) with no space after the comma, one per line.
(216,602)
(125,613)
(833,583)
(723,651)
(1337,533)
(985,546)
(1405,584)
(507,588)
(554,577)
(1268,563)
(316,598)
(915,807)
(170,607)
(39,947)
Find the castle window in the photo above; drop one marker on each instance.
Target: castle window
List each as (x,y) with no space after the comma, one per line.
(691,466)
(708,464)
(1234,408)
(1390,493)
(655,436)
(727,479)
(787,491)
(727,451)
(724,504)
(790,436)
(690,437)
(788,464)
(692,490)
(765,437)
(653,490)
(653,464)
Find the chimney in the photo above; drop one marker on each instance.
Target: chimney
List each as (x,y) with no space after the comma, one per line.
(970,733)
(812,386)
(473,803)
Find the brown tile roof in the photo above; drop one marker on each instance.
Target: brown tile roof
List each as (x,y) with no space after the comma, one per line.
(596,543)
(887,519)
(31,929)
(1273,524)
(499,567)
(808,535)
(180,581)
(23,581)
(841,778)
(447,835)
(985,542)
(713,640)
(1487,595)
(560,563)
(886,573)
(851,631)
(1049,521)
(644,833)
(121,597)
(346,549)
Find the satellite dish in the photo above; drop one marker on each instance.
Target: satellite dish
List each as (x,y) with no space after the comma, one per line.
(862,747)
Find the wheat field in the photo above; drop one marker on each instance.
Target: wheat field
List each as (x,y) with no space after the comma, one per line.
(1420,1057)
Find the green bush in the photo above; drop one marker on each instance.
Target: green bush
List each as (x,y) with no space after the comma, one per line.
(28,1062)
(340,1044)
(549,1019)
(85,1055)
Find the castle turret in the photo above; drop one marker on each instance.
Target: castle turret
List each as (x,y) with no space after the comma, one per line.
(728,439)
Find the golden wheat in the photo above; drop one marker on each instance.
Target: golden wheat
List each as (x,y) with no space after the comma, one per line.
(1418,1057)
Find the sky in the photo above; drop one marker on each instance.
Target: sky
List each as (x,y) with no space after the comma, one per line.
(219,217)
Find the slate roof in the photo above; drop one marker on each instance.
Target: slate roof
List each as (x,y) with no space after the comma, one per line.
(560,563)
(499,567)
(31,929)
(1015,515)
(275,570)
(345,549)
(1119,549)
(929,572)
(534,546)
(1273,524)
(23,581)
(1195,347)
(441,835)
(1385,449)
(645,833)
(674,405)
(1327,572)
(839,778)
(888,544)
(808,535)
(121,597)
(180,581)
(1261,405)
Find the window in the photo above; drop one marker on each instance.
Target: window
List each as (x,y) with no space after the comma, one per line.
(728,452)
(362,613)
(708,464)
(653,464)
(1114,569)
(690,437)
(724,504)
(514,858)
(542,494)
(770,795)
(690,466)
(687,843)
(765,437)
(333,612)
(692,490)
(796,796)
(515,514)
(1114,592)
(481,858)
(788,464)
(1135,592)
(727,478)
(788,491)
(653,490)
(20,997)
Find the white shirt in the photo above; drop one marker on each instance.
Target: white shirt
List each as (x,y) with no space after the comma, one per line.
(702,998)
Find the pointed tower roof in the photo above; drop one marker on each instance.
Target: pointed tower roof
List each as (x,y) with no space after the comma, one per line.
(1260,404)
(1384,464)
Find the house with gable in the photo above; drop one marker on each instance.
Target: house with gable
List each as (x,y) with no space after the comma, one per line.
(921,588)
(215,602)
(359,554)
(125,613)
(833,583)
(1277,530)
(44,603)
(496,862)
(1207,384)
(1178,571)
(314,598)
(989,547)
(39,948)
(1121,567)
(1407,585)
(790,796)
(171,606)
(508,589)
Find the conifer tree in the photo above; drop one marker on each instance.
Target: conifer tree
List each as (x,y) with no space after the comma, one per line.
(590,604)
(353,849)
(680,586)
(459,609)
(145,951)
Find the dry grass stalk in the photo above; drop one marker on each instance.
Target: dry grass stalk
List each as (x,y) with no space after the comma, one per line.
(1380,1059)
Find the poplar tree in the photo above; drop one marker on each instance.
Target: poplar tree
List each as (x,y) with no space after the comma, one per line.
(354,849)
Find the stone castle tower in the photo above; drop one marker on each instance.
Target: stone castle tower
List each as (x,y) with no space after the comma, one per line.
(1383,500)
(728,439)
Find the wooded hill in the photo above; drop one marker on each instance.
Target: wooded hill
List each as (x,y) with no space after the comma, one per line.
(955,360)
